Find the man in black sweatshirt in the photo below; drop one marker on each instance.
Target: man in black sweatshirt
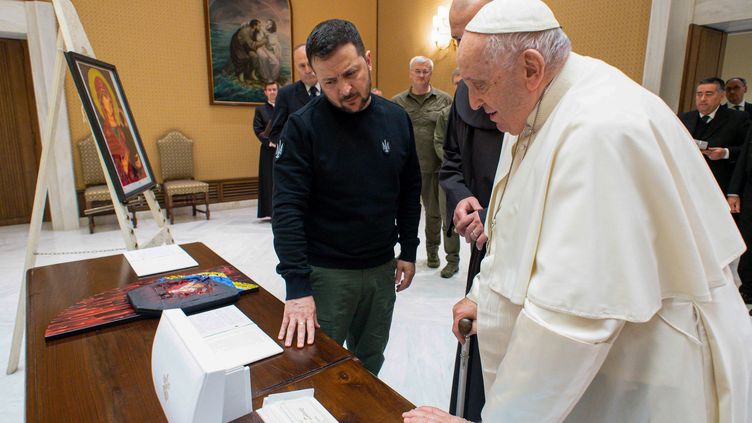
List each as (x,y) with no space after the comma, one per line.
(347,186)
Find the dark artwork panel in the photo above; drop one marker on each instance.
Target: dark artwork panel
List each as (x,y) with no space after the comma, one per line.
(112,125)
(112,307)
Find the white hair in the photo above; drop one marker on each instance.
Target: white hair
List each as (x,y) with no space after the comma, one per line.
(552,44)
(421,59)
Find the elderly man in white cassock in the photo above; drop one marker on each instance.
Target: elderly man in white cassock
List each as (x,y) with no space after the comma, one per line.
(606,294)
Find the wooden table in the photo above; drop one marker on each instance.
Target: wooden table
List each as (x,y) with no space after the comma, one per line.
(105,375)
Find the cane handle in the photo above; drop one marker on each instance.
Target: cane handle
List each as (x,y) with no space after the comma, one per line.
(465,326)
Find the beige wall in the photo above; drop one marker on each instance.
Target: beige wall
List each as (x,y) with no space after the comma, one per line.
(612,31)
(405,32)
(159,49)
(738,61)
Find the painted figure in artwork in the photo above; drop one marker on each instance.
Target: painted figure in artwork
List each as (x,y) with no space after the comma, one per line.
(255,51)
(114,128)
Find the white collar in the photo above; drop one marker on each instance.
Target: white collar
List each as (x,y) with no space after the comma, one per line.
(711,114)
(733,106)
(308,87)
(555,91)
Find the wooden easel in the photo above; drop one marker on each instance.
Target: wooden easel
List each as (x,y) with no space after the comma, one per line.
(71,36)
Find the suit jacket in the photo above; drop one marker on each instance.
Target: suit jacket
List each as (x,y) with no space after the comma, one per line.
(290,99)
(741,181)
(747,108)
(728,129)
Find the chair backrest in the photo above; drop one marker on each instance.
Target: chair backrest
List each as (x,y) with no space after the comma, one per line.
(175,156)
(91,167)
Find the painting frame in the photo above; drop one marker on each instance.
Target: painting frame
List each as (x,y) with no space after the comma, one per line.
(120,145)
(231,83)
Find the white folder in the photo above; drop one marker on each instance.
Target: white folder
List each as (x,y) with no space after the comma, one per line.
(191,382)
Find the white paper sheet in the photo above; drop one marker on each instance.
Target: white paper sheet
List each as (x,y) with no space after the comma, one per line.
(702,145)
(234,338)
(219,320)
(164,258)
(294,407)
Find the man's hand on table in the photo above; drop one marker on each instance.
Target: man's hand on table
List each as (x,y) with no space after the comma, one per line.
(300,316)
(427,414)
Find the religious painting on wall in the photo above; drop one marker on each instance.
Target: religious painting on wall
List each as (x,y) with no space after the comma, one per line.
(249,44)
(112,125)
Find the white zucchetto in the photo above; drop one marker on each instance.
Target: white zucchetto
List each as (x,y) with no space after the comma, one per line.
(507,16)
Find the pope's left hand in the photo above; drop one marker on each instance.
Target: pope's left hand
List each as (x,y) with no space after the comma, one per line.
(715,153)
(430,414)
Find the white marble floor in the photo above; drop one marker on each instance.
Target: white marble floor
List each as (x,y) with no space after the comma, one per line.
(420,354)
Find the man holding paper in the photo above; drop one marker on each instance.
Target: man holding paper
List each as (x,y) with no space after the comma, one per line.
(718,131)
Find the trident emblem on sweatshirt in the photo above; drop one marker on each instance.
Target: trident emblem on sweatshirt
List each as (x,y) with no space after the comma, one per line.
(385,146)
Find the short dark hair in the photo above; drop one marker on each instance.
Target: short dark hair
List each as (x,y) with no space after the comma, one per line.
(270,83)
(742,80)
(713,80)
(329,35)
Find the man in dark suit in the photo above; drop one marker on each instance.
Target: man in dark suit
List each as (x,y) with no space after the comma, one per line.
(294,96)
(740,201)
(736,87)
(723,129)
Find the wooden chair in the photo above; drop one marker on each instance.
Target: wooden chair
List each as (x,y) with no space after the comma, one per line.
(96,193)
(176,162)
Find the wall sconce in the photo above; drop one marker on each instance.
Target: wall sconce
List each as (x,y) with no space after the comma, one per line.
(441,35)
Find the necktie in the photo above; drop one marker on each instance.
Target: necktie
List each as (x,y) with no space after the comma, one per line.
(313,91)
(700,128)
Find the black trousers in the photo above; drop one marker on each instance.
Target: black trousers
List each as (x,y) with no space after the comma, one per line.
(475,396)
(744,221)
(266,184)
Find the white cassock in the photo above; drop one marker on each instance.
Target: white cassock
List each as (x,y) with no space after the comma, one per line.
(605,294)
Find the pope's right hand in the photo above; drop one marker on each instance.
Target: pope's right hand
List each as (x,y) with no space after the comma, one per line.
(299,316)
(465,308)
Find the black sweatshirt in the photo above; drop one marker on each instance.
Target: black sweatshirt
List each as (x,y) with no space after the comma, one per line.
(346,190)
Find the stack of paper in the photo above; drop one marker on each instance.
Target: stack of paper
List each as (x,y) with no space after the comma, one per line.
(294,407)
(164,258)
(234,338)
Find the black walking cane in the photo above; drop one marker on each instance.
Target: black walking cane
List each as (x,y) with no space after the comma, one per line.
(465,326)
